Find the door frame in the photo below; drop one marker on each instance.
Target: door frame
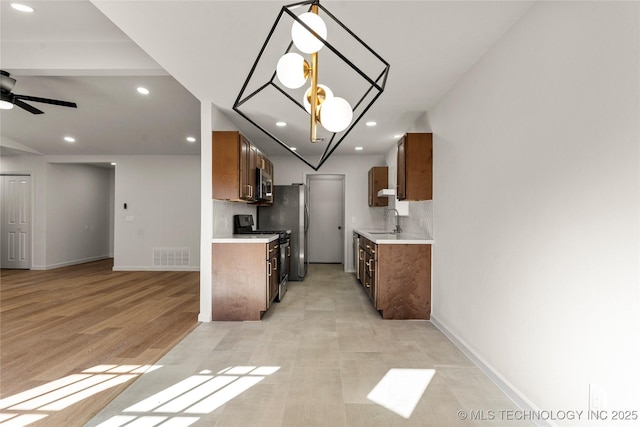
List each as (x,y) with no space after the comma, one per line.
(337,177)
(31,211)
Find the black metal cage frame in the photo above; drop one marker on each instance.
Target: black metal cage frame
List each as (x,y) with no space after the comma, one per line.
(377,84)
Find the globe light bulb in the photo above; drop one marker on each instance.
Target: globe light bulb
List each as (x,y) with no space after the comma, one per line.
(304,40)
(292,70)
(5,105)
(336,114)
(324,93)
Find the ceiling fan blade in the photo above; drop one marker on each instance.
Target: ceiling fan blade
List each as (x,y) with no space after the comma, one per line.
(27,107)
(46,100)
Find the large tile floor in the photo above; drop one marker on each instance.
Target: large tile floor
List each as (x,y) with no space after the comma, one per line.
(312,361)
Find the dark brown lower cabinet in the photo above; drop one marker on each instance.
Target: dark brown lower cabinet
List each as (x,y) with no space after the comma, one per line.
(397,278)
(404,281)
(244,279)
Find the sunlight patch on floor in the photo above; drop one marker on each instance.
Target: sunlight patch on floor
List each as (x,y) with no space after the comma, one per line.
(198,394)
(400,390)
(37,403)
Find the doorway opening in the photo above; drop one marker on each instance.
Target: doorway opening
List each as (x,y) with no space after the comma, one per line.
(325,193)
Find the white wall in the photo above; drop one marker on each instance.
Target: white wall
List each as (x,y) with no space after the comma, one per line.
(537,207)
(162,194)
(78,214)
(355,168)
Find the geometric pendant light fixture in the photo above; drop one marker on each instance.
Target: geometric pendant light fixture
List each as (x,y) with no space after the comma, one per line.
(314,74)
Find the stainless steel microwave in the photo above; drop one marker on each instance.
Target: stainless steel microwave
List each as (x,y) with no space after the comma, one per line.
(264,185)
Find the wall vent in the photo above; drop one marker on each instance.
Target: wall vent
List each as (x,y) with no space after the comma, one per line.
(172,257)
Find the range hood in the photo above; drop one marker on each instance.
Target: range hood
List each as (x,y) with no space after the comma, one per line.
(386,192)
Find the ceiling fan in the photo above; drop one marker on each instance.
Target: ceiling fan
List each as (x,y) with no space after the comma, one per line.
(9,99)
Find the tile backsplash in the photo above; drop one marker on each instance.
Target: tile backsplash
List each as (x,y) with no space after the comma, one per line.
(223,213)
(420,219)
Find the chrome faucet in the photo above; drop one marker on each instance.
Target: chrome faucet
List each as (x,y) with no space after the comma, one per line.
(397,230)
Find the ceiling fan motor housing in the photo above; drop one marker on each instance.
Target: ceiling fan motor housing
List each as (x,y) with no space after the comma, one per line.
(6,81)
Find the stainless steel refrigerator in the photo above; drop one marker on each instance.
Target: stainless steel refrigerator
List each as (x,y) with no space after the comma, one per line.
(289,212)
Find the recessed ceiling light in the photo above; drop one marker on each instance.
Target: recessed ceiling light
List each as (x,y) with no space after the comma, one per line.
(359,148)
(143,90)
(69,139)
(371,123)
(281,124)
(22,7)
(191,139)
(113,163)
(293,148)
(398,136)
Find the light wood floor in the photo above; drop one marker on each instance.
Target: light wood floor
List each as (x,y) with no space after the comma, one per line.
(59,322)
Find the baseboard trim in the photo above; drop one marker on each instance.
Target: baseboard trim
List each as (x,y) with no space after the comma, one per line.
(69,263)
(153,268)
(205,317)
(507,388)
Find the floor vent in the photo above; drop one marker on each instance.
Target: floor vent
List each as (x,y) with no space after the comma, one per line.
(171,257)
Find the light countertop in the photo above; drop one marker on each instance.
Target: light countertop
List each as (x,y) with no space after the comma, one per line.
(245,238)
(385,237)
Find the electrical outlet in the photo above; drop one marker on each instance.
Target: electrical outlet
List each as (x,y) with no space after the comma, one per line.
(597,398)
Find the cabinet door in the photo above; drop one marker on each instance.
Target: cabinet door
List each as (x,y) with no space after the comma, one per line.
(373,267)
(273,277)
(367,272)
(269,168)
(415,167)
(361,265)
(226,165)
(234,164)
(371,272)
(378,180)
(401,168)
(261,162)
(362,262)
(419,166)
(251,172)
(371,187)
(239,290)
(246,185)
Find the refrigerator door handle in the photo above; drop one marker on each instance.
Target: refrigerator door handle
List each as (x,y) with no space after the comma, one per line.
(306,218)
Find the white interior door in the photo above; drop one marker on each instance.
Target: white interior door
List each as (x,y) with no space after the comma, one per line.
(15,251)
(326,218)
